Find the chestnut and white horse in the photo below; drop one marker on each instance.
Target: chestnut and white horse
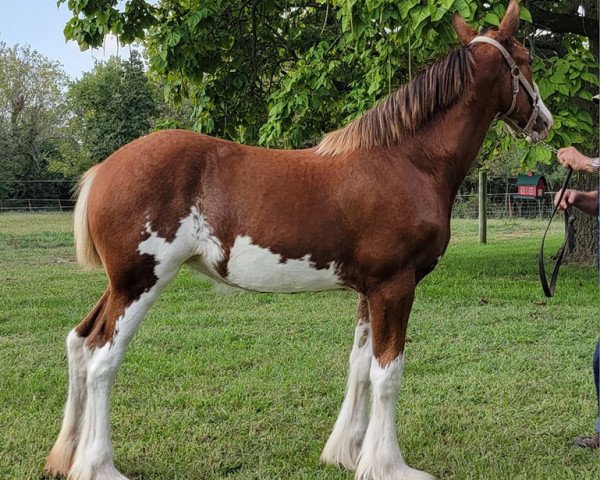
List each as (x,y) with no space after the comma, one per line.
(368,209)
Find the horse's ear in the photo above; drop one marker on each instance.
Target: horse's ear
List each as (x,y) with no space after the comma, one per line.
(510,22)
(465,32)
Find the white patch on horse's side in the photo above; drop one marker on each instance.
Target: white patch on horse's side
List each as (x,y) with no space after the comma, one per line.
(257,268)
(194,242)
(208,251)
(346,438)
(380,457)
(208,245)
(189,235)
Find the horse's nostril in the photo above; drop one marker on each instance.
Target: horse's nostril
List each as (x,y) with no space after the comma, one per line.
(542,122)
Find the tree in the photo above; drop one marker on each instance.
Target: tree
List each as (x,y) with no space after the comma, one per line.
(280,75)
(574,40)
(110,106)
(32,114)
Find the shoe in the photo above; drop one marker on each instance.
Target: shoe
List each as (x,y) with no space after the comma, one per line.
(587,442)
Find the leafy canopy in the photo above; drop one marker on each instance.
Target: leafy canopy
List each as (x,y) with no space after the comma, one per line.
(32,114)
(281,74)
(110,106)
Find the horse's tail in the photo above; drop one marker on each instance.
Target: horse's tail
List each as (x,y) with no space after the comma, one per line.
(87,255)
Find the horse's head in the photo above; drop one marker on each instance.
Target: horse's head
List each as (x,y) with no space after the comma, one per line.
(509,65)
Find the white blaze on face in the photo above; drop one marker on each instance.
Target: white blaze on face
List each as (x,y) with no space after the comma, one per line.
(257,268)
(545,114)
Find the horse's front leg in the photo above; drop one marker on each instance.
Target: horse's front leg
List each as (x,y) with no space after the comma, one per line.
(346,439)
(389,308)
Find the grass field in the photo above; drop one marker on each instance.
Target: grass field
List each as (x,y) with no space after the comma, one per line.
(496,382)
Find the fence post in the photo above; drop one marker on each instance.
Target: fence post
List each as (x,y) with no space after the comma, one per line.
(482,207)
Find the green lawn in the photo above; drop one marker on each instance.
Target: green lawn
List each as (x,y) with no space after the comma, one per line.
(496,382)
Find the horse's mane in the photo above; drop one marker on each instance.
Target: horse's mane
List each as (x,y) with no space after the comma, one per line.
(407,109)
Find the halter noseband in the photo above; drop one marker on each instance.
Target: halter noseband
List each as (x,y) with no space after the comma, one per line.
(517,77)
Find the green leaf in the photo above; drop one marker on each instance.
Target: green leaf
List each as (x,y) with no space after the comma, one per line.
(173,38)
(538,154)
(405,7)
(419,15)
(588,77)
(491,19)
(562,88)
(525,14)
(463,8)
(193,20)
(438,14)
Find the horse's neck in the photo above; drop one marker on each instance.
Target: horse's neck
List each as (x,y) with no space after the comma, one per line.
(454,141)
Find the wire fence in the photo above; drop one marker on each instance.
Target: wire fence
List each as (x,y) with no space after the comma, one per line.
(465,206)
(504,205)
(37,204)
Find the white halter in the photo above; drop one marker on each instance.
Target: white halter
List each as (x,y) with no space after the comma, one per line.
(517,77)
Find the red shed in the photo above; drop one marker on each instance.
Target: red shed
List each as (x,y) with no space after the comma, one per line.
(531,186)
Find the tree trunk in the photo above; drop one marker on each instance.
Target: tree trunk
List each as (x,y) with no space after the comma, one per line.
(586,230)
(591,11)
(586,235)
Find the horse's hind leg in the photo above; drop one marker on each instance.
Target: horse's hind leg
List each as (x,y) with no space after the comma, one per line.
(60,457)
(345,441)
(106,340)
(96,347)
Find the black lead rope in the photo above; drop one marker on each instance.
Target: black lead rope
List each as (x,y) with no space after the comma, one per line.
(566,248)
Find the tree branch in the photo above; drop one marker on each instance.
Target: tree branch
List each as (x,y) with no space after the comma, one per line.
(563,23)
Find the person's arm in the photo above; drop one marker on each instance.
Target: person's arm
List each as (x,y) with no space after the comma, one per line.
(571,157)
(587,202)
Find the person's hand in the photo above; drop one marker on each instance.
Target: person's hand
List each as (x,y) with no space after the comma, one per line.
(571,157)
(570,198)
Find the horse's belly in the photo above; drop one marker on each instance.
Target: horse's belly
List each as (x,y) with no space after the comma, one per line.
(256,268)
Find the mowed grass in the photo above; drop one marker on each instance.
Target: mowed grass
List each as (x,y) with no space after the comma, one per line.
(496,383)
